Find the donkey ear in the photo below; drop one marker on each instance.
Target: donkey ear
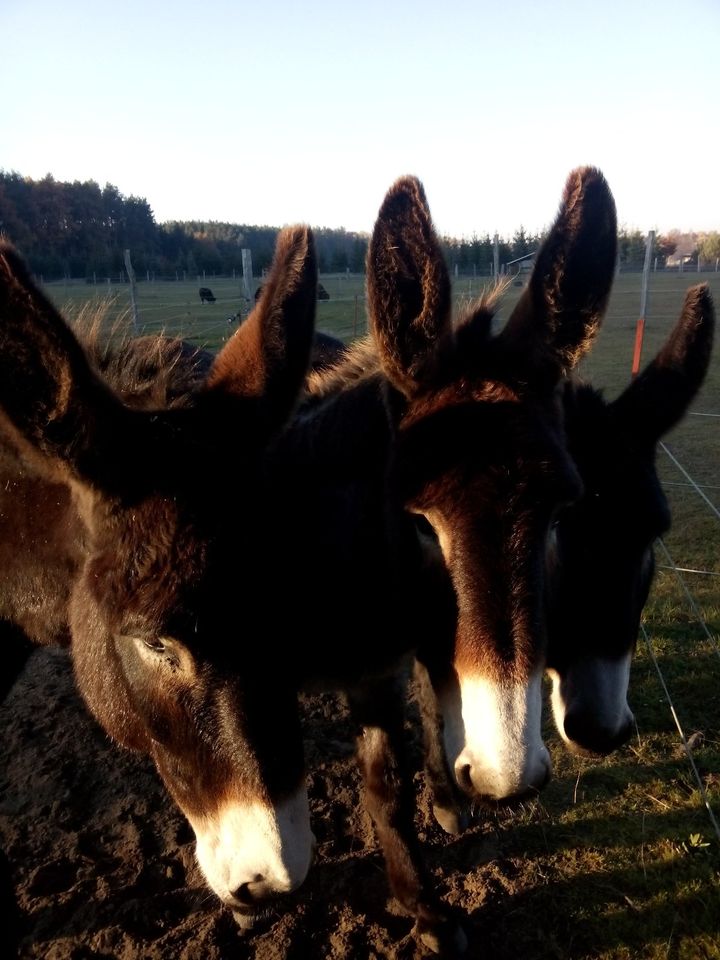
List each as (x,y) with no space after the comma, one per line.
(267,358)
(408,286)
(49,396)
(659,397)
(559,313)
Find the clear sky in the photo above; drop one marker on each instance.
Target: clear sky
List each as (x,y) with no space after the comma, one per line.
(272,111)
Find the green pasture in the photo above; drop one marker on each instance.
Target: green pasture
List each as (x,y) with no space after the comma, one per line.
(618,858)
(174,307)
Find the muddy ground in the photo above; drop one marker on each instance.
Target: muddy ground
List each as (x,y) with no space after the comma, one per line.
(102,862)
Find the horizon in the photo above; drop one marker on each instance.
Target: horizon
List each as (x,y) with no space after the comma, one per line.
(622,229)
(283,114)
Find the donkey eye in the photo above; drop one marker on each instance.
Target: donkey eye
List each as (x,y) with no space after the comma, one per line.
(155,643)
(155,653)
(424,526)
(165,650)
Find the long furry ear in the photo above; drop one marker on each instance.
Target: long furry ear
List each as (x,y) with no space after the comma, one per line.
(660,396)
(48,392)
(408,287)
(559,313)
(267,358)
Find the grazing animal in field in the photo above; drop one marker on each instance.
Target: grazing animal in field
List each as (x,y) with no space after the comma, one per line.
(600,556)
(131,524)
(206,295)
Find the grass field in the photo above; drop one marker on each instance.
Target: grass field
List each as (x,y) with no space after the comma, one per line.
(623,853)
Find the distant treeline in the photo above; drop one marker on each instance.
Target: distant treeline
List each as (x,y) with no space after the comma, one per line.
(82,230)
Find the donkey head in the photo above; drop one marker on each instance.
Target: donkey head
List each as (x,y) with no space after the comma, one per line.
(480,455)
(601,552)
(171,502)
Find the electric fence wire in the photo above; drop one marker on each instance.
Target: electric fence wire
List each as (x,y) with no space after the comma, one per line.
(671,565)
(686,746)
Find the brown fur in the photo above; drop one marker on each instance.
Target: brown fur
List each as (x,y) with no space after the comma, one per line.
(132,550)
(601,566)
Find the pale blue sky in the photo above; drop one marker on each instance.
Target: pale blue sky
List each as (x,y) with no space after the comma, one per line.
(279,112)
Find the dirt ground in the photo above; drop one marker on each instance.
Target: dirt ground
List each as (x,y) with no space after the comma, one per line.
(102,862)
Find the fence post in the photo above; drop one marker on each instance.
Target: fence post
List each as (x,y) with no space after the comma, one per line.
(133,293)
(247,273)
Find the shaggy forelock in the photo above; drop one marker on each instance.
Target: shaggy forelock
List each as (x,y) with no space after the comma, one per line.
(360,361)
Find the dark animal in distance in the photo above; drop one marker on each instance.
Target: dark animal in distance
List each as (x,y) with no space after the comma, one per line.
(206,295)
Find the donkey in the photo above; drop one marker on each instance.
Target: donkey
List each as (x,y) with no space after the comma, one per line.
(490,508)
(128,520)
(599,557)
(124,541)
(600,553)
(463,427)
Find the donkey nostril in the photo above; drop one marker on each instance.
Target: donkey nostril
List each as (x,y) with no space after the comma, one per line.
(464,778)
(248,893)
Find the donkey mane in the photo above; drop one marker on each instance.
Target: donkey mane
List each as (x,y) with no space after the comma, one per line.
(149,372)
(488,302)
(583,403)
(360,360)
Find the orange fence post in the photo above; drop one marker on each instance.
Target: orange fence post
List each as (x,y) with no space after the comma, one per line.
(639,332)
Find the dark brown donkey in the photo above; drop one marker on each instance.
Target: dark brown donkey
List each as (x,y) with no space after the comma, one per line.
(600,554)
(131,527)
(481,455)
